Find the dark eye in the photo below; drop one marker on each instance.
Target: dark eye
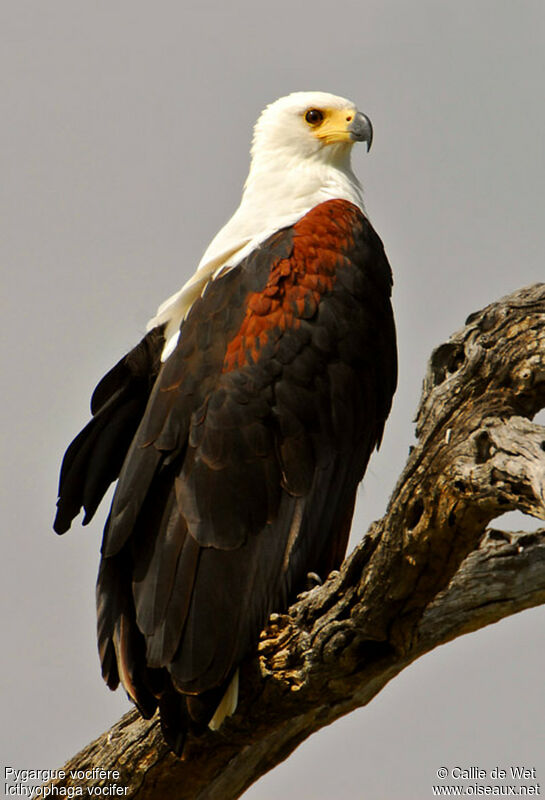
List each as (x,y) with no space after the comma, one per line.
(314,116)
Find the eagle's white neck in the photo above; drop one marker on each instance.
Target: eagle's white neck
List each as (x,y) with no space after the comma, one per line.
(277,193)
(279,190)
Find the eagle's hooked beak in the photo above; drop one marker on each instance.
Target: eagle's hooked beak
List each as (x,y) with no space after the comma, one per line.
(361,129)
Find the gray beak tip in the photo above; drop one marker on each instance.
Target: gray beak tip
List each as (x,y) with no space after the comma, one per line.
(362,130)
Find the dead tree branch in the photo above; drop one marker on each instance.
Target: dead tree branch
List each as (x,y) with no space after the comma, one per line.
(427,572)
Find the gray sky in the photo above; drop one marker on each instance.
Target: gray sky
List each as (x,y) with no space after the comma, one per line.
(125,137)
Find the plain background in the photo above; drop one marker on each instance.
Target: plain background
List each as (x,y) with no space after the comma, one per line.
(124,146)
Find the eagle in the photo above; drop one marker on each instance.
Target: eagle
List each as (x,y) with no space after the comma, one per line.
(239,428)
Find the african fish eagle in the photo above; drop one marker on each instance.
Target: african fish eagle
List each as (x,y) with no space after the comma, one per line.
(239,428)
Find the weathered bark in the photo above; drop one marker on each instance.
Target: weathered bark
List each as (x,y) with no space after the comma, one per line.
(427,572)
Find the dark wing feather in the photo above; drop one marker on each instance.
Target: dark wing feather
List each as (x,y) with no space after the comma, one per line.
(243,472)
(94,459)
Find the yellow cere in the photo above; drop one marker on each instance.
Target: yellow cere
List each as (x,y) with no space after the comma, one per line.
(330,125)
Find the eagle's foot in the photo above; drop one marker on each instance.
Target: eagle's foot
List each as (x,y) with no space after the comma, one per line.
(313,582)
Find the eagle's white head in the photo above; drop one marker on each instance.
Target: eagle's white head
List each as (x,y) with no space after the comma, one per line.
(301,154)
(300,158)
(309,125)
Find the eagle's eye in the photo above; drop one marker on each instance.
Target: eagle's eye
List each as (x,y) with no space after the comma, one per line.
(314,116)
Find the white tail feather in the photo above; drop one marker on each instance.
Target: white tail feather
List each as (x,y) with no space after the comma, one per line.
(227,705)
